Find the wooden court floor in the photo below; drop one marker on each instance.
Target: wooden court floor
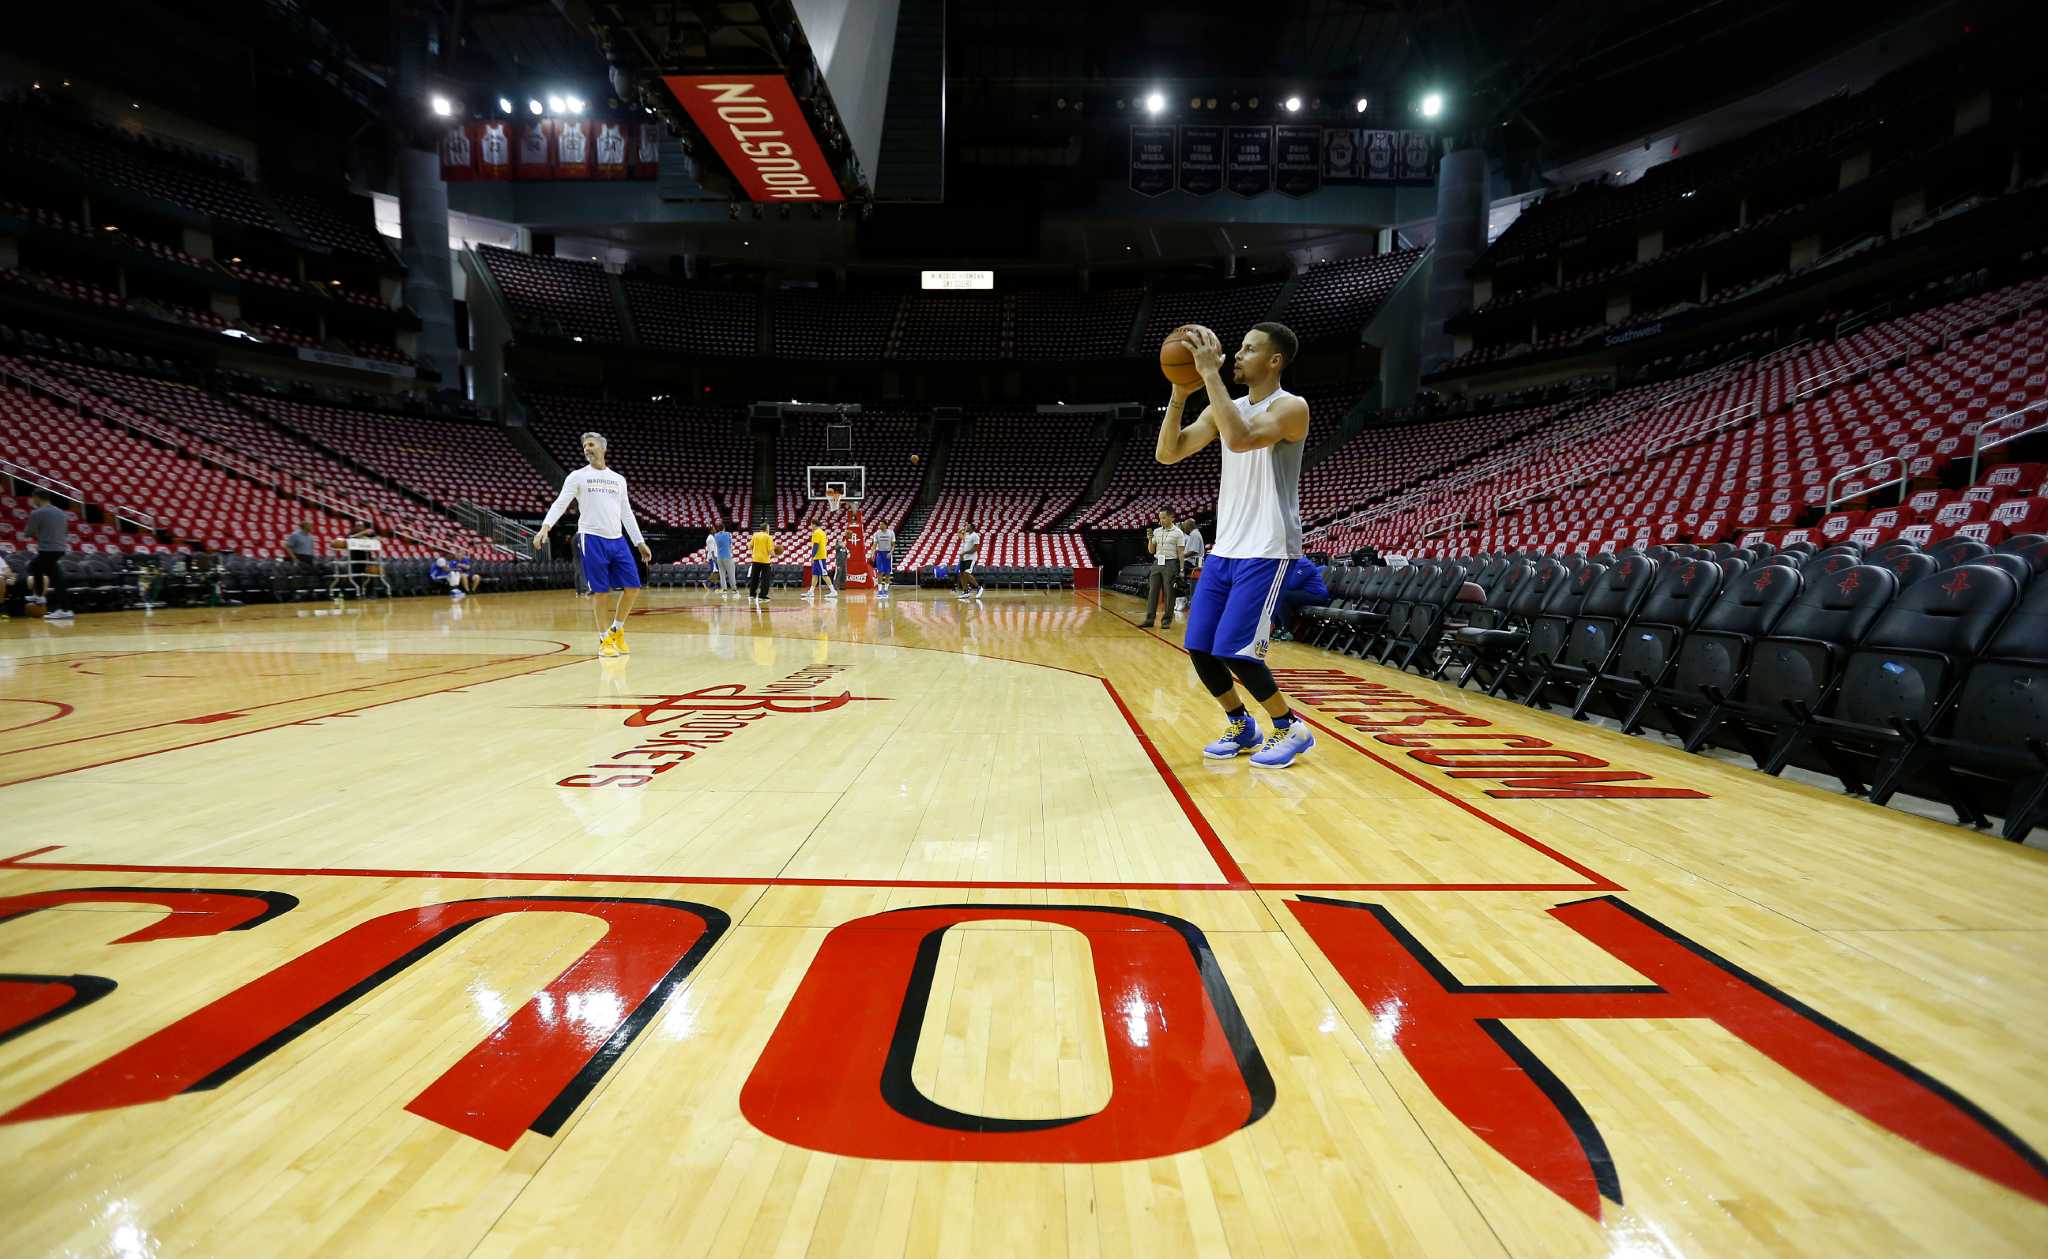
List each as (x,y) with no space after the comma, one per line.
(924,929)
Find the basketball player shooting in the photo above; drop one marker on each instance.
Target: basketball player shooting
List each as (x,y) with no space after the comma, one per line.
(602,514)
(1258,530)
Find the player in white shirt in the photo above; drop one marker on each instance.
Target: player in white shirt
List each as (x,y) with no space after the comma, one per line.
(603,515)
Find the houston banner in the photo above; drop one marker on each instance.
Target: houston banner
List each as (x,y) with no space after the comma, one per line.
(754,123)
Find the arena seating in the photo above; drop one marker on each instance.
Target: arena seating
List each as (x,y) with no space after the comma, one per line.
(1340,297)
(810,324)
(686,465)
(554,296)
(444,461)
(1236,306)
(342,221)
(1379,460)
(1060,324)
(1012,473)
(954,326)
(198,181)
(672,316)
(882,444)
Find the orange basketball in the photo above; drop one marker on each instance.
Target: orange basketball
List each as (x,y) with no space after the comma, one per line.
(1177,358)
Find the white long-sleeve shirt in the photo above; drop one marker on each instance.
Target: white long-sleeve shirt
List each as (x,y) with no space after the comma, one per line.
(602,507)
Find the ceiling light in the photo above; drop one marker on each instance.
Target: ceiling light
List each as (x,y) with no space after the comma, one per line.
(1253,103)
(575,338)
(1194,102)
(504,104)
(442,106)
(1358,106)
(575,104)
(1154,102)
(234,260)
(533,106)
(334,284)
(555,104)
(1292,104)
(1210,103)
(1432,104)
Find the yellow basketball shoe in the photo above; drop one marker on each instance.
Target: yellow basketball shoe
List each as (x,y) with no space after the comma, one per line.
(607,644)
(619,642)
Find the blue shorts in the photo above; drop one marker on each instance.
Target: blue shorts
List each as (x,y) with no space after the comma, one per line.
(882,563)
(818,569)
(1231,611)
(608,563)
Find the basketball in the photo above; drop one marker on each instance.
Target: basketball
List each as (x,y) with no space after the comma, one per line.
(1177,358)
(914,461)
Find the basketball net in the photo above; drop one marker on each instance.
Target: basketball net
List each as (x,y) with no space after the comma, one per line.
(833,499)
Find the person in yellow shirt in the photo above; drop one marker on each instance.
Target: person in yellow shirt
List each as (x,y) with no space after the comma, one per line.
(821,568)
(762,573)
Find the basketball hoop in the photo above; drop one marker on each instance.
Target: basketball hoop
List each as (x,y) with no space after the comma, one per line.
(833,497)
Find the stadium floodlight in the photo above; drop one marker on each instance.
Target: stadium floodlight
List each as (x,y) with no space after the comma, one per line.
(443,107)
(1432,104)
(575,104)
(1292,104)
(1359,105)
(534,106)
(504,104)
(1154,102)
(556,105)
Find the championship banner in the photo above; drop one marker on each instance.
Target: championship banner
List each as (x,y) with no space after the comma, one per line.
(1201,160)
(611,150)
(1251,160)
(536,154)
(1379,155)
(754,123)
(458,154)
(1298,160)
(1342,150)
(572,148)
(1151,160)
(494,151)
(646,150)
(1418,154)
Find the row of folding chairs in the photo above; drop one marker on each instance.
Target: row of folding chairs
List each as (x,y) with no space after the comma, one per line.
(1896,669)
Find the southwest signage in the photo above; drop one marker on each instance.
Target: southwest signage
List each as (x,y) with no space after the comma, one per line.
(755,124)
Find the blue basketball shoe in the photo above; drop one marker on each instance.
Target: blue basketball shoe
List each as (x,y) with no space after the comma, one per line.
(1241,735)
(1284,744)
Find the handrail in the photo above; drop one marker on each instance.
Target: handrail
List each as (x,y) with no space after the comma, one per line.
(1733,417)
(1783,351)
(134,516)
(42,480)
(1442,524)
(1977,450)
(1844,327)
(1973,323)
(1829,499)
(1827,377)
(1555,482)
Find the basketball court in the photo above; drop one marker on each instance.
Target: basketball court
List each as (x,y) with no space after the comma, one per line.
(922,927)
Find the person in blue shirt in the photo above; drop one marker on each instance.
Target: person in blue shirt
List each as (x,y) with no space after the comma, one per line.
(1302,588)
(467,579)
(442,573)
(720,548)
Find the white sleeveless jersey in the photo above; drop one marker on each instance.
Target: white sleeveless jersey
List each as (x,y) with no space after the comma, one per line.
(1258,504)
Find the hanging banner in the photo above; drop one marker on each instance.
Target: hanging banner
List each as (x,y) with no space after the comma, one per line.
(536,154)
(1251,160)
(1298,160)
(458,154)
(1380,155)
(611,151)
(1341,153)
(646,150)
(494,151)
(755,124)
(1418,154)
(1201,160)
(572,149)
(1151,160)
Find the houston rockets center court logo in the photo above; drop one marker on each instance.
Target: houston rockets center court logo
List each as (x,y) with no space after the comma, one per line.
(697,721)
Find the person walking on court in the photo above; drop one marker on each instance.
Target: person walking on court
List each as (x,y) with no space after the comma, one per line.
(883,559)
(1258,531)
(963,572)
(1166,544)
(50,529)
(761,573)
(603,513)
(721,558)
(821,572)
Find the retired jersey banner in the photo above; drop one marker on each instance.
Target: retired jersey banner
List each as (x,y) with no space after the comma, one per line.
(646,150)
(1152,160)
(572,148)
(1298,160)
(1418,155)
(494,151)
(755,124)
(611,150)
(1342,154)
(1201,160)
(1379,155)
(458,154)
(536,152)
(1250,160)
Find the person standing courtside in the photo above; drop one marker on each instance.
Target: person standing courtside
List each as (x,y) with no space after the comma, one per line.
(603,513)
(1166,544)
(50,529)
(301,547)
(721,558)
(1190,563)
(1258,531)
(883,560)
(761,574)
